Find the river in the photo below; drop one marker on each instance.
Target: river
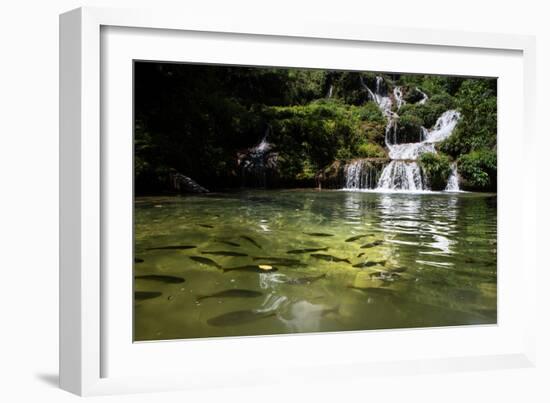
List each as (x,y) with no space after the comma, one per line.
(383,261)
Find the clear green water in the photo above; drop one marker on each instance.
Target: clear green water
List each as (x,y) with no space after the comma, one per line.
(432,262)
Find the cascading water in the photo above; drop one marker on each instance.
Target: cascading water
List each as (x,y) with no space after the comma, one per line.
(330,90)
(403,172)
(424,97)
(398,95)
(452,183)
(401,175)
(361,174)
(257,163)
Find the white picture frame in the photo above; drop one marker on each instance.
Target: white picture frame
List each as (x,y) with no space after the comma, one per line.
(89,323)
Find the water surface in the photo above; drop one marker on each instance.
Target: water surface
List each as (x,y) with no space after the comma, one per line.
(427,260)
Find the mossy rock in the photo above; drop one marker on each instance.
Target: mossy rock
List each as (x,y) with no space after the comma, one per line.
(436,169)
(409,129)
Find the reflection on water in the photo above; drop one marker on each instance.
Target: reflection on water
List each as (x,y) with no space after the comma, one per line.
(420,260)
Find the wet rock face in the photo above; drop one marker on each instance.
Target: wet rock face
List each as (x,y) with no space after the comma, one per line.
(361,173)
(258,165)
(184,184)
(408,130)
(331,177)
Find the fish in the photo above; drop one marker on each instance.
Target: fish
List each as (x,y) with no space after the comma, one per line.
(397,269)
(138,260)
(252,268)
(285,264)
(361,254)
(223,253)
(173,247)
(327,311)
(372,244)
(329,258)
(233,293)
(305,280)
(355,238)
(143,295)
(276,259)
(307,250)
(318,234)
(369,264)
(252,241)
(238,318)
(235,244)
(205,260)
(205,225)
(161,278)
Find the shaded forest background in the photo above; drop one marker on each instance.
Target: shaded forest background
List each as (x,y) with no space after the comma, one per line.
(196,119)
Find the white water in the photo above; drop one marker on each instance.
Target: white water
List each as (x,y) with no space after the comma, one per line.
(360,174)
(398,95)
(403,173)
(452,183)
(330,90)
(424,95)
(261,147)
(444,126)
(256,161)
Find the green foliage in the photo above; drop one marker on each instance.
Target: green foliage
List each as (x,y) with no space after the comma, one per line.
(309,137)
(347,87)
(409,129)
(477,102)
(429,111)
(370,150)
(196,119)
(436,168)
(432,85)
(479,170)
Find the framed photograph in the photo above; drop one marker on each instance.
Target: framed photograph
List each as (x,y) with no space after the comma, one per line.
(257,194)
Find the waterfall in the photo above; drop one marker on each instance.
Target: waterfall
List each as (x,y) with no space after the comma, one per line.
(398,95)
(257,163)
(403,172)
(444,126)
(452,183)
(329,92)
(361,174)
(401,175)
(380,96)
(424,97)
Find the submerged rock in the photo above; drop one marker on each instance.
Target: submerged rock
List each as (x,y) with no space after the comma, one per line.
(184,184)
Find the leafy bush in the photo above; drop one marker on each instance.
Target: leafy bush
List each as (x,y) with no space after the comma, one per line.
(347,86)
(478,170)
(370,150)
(430,111)
(436,168)
(477,128)
(369,112)
(411,95)
(409,129)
